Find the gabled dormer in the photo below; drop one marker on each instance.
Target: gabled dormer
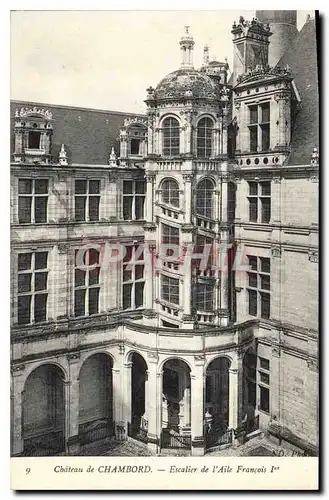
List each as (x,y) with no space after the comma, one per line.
(33,131)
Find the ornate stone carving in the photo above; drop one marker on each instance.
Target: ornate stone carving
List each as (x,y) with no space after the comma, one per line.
(312,364)
(136,120)
(18,368)
(113,158)
(62,157)
(74,356)
(188,177)
(313,256)
(149,177)
(25,112)
(62,248)
(277,180)
(276,351)
(276,251)
(152,356)
(121,349)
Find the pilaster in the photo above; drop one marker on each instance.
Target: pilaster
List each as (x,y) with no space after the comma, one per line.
(197,408)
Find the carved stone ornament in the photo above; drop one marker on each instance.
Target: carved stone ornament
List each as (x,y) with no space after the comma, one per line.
(62,157)
(136,120)
(277,180)
(276,351)
(18,368)
(62,248)
(312,364)
(74,356)
(313,256)
(25,112)
(276,251)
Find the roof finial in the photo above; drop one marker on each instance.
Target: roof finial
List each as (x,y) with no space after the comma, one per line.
(187,43)
(62,157)
(206,55)
(113,158)
(315,157)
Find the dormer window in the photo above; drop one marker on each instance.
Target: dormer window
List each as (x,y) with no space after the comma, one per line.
(33,130)
(259,127)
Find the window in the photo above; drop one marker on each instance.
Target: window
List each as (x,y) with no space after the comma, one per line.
(204,198)
(32,287)
(32,201)
(87,199)
(204,297)
(204,138)
(134,146)
(170,192)
(259,202)
(34,139)
(133,279)
(264,384)
(205,248)
(170,289)
(86,284)
(170,238)
(171,133)
(133,200)
(259,127)
(259,286)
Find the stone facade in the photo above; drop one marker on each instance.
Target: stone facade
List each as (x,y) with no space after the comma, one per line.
(137,341)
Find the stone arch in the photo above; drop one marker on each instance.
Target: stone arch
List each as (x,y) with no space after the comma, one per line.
(176,396)
(215,356)
(249,367)
(217,392)
(206,115)
(89,354)
(31,368)
(96,397)
(43,410)
(170,115)
(131,352)
(181,358)
(138,396)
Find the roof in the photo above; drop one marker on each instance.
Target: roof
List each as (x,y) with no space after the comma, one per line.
(178,83)
(88,134)
(302,59)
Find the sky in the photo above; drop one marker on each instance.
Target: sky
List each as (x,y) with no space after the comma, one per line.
(107,59)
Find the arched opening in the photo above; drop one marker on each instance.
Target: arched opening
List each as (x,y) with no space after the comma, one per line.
(138,426)
(44,412)
(204,137)
(204,198)
(176,405)
(170,192)
(95,398)
(216,416)
(171,131)
(249,390)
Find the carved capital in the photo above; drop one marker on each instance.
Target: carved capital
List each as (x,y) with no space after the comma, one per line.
(121,349)
(277,180)
(313,256)
(149,177)
(276,351)
(153,357)
(312,364)
(62,248)
(188,177)
(276,251)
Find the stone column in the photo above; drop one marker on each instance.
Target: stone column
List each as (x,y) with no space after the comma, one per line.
(149,197)
(235,393)
(224,132)
(149,275)
(187,178)
(275,388)
(197,406)
(127,391)
(276,200)
(71,390)
(154,403)
(18,381)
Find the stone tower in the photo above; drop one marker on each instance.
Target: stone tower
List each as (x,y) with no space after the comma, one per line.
(283,25)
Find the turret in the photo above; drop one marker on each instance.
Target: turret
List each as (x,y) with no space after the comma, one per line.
(187,43)
(283,25)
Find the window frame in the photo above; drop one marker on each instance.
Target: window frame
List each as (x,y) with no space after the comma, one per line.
(32,196)
(171,281)
(206,138)
(257,126)
(173,192)
(256,287)
(133,263)
(258,214)
(263,386)
(172,138)
(133,195)
(86,286)
(33,292)
(208,211)
(88,197)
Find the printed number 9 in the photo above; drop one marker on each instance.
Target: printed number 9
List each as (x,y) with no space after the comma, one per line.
(28,470)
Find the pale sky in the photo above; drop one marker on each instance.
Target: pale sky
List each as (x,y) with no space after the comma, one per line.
(107,59)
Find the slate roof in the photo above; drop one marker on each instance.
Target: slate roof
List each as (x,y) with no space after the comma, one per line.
(88,134)
(302,59)
(177,83)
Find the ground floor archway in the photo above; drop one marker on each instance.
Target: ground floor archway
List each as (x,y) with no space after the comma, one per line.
(138,425)
(95,398)
(43,417)
(176,405)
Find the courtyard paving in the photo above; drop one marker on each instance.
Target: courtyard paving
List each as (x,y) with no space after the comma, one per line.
(258,446)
